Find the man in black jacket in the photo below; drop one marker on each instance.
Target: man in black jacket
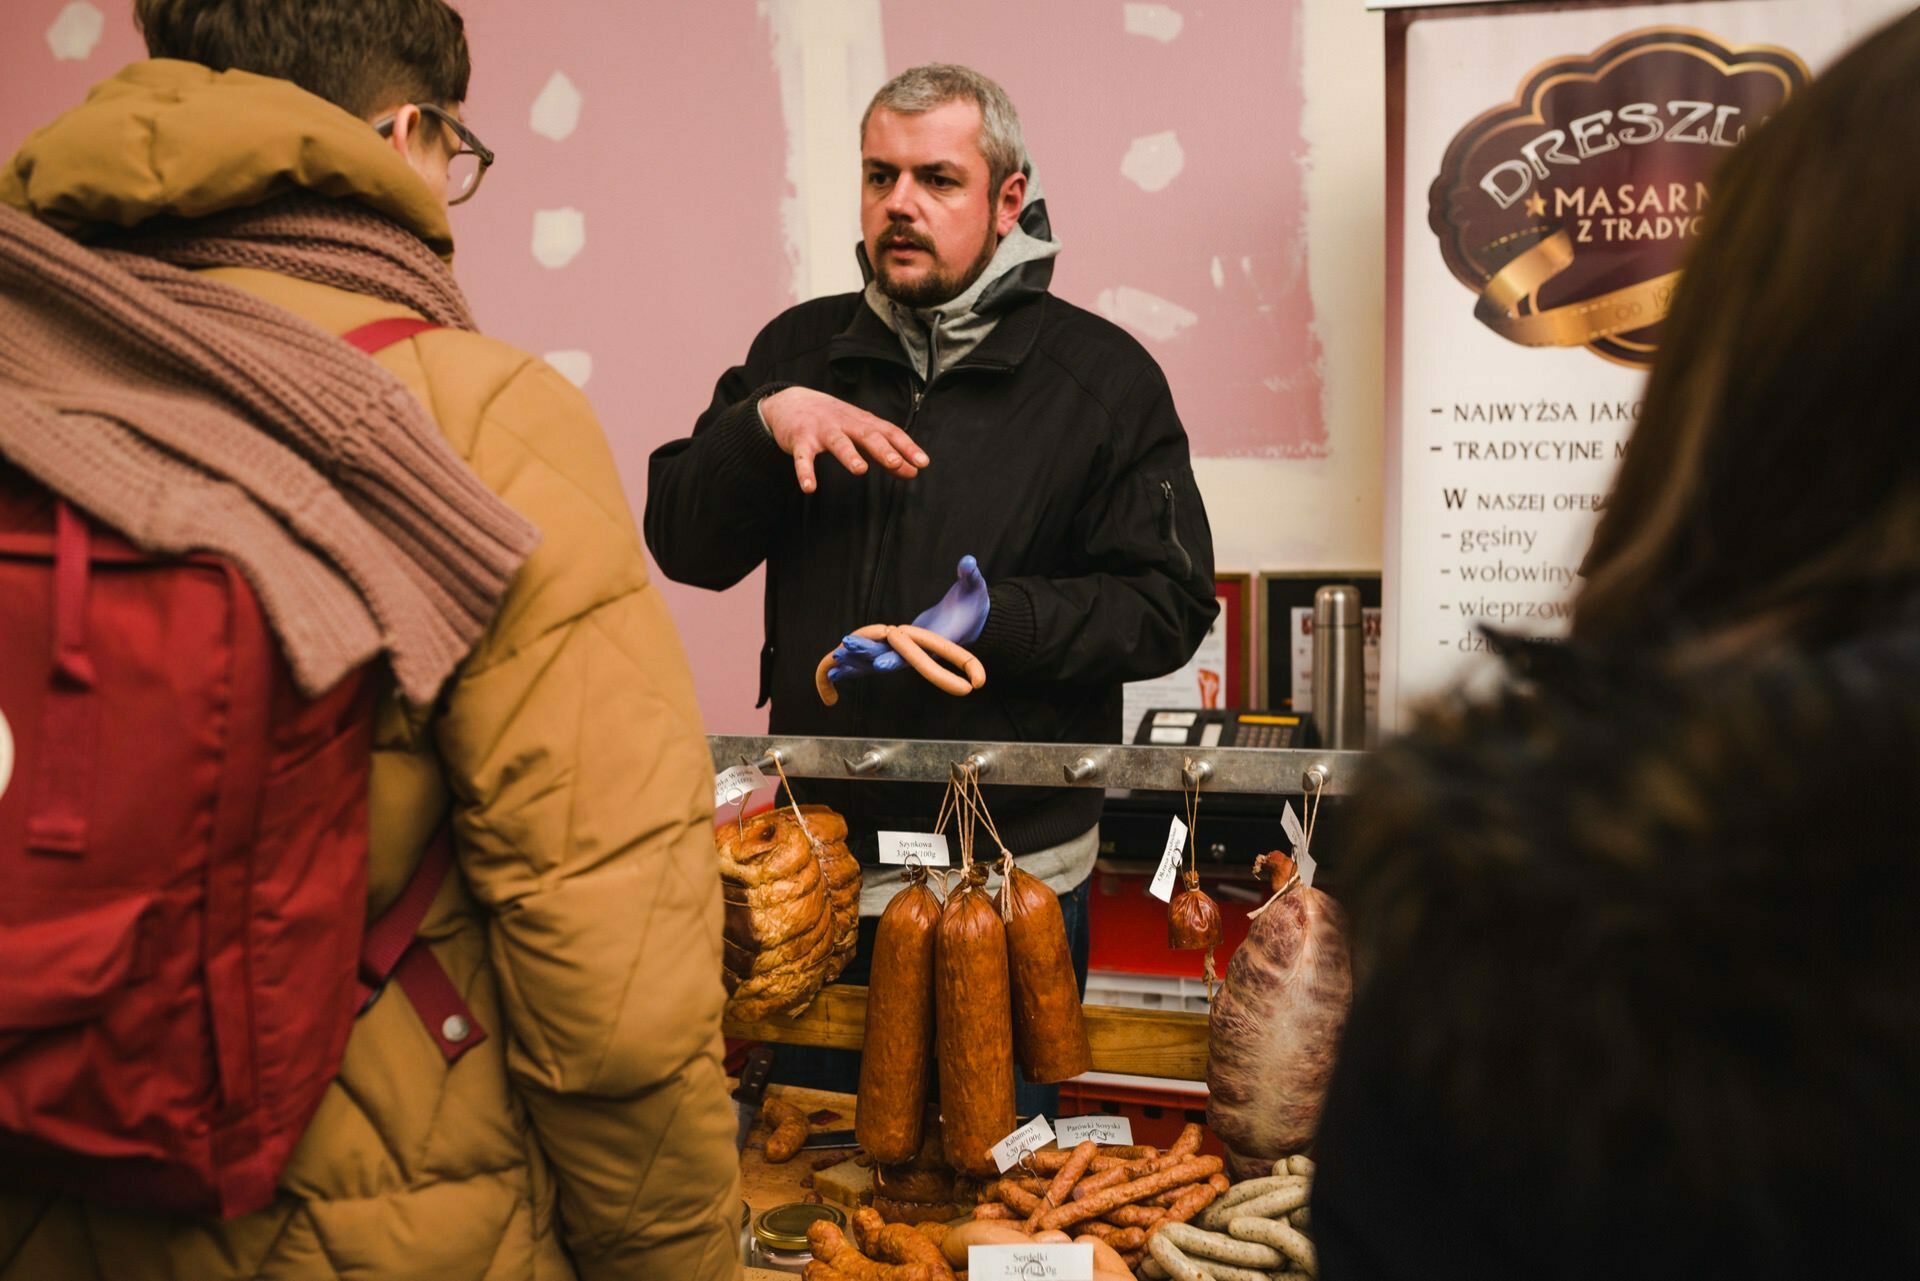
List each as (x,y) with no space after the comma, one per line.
(970,413)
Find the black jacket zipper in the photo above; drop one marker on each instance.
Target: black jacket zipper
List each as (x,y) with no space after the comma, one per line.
(1185,563)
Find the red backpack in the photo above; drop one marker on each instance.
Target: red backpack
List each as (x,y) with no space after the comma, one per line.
(183,845)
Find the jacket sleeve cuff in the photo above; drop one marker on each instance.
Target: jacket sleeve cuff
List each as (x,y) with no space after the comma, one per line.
(740,441)
(1008,638)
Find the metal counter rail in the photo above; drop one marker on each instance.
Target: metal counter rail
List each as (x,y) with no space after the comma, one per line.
(1152,768)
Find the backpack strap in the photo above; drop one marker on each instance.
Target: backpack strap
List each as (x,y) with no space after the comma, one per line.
(392,947)
(70,718)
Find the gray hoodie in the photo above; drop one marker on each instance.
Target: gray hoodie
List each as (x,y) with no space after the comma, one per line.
(936,338)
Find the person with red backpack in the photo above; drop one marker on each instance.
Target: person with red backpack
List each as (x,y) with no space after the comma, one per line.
(361,914)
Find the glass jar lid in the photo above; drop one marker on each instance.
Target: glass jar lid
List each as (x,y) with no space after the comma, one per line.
(785,1226)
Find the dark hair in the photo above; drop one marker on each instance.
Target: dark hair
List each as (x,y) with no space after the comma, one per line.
(1637,983)
(1777,463)
(361,55)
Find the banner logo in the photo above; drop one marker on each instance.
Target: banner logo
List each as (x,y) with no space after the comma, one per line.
(1570,209)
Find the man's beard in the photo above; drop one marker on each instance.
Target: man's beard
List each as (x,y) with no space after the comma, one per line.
(936,286)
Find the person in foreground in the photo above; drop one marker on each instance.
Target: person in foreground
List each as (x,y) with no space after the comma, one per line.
(1635,979)
(304,152)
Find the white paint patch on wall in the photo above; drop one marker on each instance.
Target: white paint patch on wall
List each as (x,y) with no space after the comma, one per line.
(1160,22)
(76,32)
(1154,161)
(556,112)
(558,236)
(1144,313)
(575,366)
(830,56)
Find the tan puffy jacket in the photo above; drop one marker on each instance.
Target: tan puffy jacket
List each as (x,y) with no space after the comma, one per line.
(590,1135)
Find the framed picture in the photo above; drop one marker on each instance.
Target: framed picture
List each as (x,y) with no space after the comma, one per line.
(1234,591)
(1283,666)
(1220,673)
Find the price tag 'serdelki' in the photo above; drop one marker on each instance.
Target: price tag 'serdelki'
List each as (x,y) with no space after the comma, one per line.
(1162,887)
(1071,1131)
(1031,1137)
(736,784)
(928,849)
(1028,1262)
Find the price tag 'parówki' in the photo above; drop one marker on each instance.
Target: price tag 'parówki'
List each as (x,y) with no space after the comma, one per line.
(1071,1131)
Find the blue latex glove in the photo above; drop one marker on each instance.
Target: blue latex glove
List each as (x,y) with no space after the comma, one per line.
(960,616)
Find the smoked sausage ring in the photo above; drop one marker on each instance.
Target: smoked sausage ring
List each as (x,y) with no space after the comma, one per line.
(912,644)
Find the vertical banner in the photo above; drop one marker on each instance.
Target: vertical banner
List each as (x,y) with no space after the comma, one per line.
(1549,168)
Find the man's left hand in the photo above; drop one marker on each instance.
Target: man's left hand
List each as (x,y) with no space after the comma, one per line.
(960,616)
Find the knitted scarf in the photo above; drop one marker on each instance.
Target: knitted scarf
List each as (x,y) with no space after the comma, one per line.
(192,416)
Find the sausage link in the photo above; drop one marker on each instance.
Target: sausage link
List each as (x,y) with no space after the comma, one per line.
(1063,1182)
(790,1130)
(1126,1193)
(897,1059)
(1190,1203)
(1049,1033)
(974,1027)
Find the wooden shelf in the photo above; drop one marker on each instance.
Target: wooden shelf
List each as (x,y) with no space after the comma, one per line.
(1160,1043)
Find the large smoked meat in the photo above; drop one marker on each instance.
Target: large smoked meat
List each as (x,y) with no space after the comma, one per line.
(792,908)
(1275,1027)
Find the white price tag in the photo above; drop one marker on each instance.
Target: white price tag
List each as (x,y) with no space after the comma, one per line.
(734,784)
(1030,1262)
(1295,833)
(1307,868)
(928,849)
(1072,1131)
(1162,887)
(1031,1137)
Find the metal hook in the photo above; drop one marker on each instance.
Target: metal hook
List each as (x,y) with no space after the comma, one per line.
(773,757)
(1195,773)
(1081,770)
(867,764)
(1316,779)
(977,764)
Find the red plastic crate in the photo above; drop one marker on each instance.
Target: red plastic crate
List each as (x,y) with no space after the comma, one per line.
(1129,925)
(1157,1116)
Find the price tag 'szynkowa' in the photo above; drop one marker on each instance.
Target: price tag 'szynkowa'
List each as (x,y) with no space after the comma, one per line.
(925,848)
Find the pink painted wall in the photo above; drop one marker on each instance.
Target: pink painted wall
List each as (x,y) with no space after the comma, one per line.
(678,165)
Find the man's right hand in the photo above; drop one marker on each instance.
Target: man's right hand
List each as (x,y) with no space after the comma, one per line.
(807,423)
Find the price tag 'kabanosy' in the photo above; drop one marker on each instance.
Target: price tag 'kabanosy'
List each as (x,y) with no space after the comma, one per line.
(1071,1131)
(1162,887)
(1031,1137)
(926,849)
(1030,1262)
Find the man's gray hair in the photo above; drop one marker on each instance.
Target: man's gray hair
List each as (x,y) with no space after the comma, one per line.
(921,89)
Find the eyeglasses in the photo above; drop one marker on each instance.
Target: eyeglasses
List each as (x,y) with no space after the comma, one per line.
(468,165)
